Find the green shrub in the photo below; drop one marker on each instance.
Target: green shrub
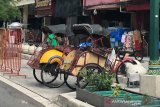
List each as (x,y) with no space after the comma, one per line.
(99,81)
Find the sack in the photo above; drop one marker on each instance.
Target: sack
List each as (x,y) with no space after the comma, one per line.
(112,56)
(135,68)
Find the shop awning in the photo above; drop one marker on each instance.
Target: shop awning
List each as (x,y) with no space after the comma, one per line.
(88,3)
(102,4)
(101,7)
(138,7)
(24,2)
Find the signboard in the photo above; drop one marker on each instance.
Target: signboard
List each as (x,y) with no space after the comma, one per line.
(42,3)
(44,7)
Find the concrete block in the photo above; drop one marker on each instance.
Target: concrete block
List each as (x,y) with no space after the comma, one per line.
(69,100)
(98,100)
(150,85)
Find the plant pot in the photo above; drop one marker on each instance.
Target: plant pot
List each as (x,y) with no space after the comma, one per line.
(105,99)
(98,100)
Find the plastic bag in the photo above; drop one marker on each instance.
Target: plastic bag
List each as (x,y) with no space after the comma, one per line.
(112,56)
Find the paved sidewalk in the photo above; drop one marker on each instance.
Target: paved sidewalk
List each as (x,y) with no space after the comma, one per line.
(47,96)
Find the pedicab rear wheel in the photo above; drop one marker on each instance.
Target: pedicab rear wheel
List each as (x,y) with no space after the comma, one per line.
(51,72)
(71,81)
(86,71)
(121,73)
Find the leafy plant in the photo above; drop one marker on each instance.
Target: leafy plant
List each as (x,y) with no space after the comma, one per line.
(87,74)
(9,11)
(116,90)
(100,81)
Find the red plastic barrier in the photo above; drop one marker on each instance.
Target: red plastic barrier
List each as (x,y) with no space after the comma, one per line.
(12,49)
(3,33)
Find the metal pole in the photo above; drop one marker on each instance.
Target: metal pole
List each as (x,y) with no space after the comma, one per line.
(154,29)
(154,65)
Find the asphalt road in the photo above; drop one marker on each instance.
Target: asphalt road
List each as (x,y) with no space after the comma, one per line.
(10,97)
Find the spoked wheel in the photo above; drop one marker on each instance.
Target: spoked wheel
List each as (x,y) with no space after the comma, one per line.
(37,75)
(50,72)
(86,71)
(121,74)
(138,55)
(71,81)
(121,53)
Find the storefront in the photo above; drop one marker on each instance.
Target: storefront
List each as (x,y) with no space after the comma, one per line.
(140,11)
(68,10)
(109,14)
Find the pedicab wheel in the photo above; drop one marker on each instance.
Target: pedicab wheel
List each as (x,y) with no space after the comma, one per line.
(36,74)
(51,73)
(121,53)
(71,81)
(121,73)
(138,55)
(85,72)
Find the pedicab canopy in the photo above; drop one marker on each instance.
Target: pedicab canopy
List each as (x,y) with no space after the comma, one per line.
(61,29)
(88,29)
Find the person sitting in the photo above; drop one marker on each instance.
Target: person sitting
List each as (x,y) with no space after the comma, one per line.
(50,37)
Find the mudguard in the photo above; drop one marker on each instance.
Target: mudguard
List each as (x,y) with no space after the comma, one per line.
(51,56)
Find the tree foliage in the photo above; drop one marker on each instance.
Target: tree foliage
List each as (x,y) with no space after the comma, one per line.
(8,10)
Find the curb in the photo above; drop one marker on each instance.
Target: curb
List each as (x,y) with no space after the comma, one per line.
(69,100)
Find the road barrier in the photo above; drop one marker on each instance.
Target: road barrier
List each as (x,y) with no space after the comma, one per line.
(10,51)
(3,32)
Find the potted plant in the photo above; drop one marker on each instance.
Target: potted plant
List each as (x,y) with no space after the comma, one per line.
(100,92)
(100,81)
